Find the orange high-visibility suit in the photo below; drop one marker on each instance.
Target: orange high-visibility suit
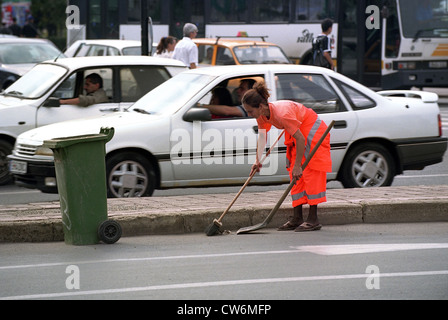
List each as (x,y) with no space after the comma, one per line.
(292,116)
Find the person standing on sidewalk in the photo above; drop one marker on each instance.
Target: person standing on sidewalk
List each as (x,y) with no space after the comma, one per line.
(303,129)
(186,50)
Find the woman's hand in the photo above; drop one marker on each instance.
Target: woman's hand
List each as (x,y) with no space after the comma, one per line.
(297,172)
(256,167)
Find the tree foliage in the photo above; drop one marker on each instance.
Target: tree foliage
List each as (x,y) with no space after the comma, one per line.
(50,15)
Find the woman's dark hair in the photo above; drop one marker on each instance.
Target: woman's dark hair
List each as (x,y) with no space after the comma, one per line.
(163,44)
(257,95)
(224,96)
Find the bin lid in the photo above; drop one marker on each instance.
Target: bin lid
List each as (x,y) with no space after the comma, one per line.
(58,143)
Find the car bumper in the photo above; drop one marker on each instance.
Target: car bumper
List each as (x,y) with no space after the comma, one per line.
(419,153)
(39,175)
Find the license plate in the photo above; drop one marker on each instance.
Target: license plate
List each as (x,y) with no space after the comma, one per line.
(438,64)
(18,167)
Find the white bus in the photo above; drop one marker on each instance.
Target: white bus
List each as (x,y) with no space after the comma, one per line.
(387,44)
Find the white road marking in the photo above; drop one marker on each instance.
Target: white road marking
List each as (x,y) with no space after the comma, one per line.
(220,284)
(368,248)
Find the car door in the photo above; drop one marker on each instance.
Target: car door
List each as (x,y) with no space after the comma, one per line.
(71,87)
(222,150)
(316,92)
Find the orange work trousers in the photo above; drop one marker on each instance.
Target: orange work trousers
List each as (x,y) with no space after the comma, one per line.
(311,188)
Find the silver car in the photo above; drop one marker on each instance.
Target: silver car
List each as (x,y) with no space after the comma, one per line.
(19,55)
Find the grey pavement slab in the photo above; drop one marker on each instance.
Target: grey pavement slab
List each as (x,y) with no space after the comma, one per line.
(38,222)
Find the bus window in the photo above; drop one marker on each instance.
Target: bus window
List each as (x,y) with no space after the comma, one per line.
(270,10)
(315,10)
(392,34)
(228,11)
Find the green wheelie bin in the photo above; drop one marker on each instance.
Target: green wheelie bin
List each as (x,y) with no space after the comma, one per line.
(81,179)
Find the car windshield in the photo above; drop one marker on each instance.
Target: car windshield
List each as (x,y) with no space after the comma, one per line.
(23,53)
(260,55)
(424,18)
(172,94)
(36,82)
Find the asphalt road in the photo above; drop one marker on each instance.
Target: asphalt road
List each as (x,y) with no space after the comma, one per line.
(378,262)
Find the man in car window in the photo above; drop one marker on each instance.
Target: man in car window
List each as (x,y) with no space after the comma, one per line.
(93,85)
(233,111)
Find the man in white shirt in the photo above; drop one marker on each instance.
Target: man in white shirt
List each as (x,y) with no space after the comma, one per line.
(186,50)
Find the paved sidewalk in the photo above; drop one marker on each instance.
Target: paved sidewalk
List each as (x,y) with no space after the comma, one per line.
(38,222)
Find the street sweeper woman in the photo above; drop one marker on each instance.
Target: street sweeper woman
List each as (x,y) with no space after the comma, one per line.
(303,129)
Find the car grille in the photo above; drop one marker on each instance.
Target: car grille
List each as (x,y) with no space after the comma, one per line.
(26,150)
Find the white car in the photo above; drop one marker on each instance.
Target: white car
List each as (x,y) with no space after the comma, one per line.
(168,140)
(19,55)
(33,100)
(106,47)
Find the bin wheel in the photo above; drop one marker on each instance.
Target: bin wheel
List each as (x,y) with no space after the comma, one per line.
(109,231)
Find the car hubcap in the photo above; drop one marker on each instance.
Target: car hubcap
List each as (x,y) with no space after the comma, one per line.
(128,179)
(370,169)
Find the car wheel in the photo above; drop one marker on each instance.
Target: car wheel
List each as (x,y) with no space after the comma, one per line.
(5,151)
(368,165)
(129,175)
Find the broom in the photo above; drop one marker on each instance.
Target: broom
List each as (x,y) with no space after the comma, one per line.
(213,228)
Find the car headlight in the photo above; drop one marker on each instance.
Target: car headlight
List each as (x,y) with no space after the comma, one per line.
(41,151)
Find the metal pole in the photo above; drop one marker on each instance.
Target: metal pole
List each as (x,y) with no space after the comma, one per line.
(144,25)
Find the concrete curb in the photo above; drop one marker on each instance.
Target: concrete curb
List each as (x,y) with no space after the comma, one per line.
(193,214)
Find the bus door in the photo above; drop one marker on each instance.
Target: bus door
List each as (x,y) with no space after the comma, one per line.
(359,49)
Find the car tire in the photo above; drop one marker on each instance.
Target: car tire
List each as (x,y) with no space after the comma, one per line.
(5,151)
(129,175)
(368,165)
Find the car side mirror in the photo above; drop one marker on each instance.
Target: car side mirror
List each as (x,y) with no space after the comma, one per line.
(52,102)
(197,114)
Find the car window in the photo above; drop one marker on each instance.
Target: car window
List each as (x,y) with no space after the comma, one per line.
(311,90)
(260,54)
(73,86)
(97,51)
(111,51)
(205,54)
(67,90)
(132,51)
(137,81)
(82,50)
(224,57)
(357,100)
(226,94)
